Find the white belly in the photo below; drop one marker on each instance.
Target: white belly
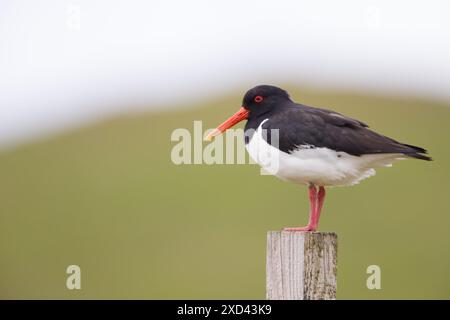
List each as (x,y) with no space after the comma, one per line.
(319,166)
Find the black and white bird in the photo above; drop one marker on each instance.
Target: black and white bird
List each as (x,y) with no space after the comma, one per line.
(312,146)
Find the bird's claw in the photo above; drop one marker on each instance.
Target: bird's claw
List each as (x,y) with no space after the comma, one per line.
(307,228)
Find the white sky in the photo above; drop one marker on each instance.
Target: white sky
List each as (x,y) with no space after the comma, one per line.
(64,62)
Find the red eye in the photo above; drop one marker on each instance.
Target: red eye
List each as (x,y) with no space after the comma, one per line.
(258,99)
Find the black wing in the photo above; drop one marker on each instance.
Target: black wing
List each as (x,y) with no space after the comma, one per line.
(316,127)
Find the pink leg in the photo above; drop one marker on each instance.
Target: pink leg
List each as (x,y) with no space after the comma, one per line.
(313,218)
(320,200)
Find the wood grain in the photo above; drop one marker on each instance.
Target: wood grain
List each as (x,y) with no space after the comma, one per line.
(301,265)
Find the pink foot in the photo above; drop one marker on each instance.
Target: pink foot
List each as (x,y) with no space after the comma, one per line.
(307,228)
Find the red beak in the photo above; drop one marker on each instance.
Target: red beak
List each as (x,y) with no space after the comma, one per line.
(242,114)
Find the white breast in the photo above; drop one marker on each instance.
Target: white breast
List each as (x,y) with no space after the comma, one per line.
(320,166)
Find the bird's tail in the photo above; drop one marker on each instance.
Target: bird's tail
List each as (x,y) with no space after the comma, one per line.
(417,152)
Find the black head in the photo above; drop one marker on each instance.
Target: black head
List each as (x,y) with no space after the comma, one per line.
(257,101)
(262,99)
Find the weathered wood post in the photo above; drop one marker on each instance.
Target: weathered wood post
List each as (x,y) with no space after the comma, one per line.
(301,265)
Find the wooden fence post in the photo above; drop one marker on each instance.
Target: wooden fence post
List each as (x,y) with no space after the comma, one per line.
(301,265)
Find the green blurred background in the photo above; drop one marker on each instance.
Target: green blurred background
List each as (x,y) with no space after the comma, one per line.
(108,198)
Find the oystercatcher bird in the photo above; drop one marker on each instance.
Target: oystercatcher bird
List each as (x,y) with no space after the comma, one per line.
(312,146)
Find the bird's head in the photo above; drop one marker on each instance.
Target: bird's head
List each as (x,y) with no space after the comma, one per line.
(257,101)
